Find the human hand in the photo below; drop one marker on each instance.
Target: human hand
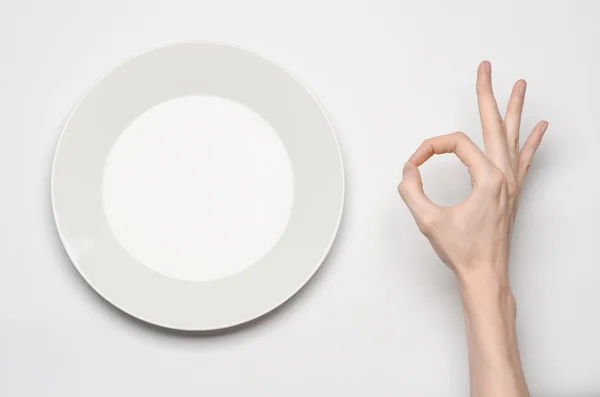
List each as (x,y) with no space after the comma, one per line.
(473,237)
(475,234)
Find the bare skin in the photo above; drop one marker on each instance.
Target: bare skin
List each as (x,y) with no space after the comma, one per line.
(473,238)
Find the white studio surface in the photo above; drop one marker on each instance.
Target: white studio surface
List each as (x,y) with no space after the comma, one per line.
(382,316)
(115,185)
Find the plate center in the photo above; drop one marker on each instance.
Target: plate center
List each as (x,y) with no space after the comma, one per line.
(198,188)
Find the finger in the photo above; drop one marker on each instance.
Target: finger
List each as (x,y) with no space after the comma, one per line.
(411,191)
(529,148)
(494,136)
(512,120)
(457,143)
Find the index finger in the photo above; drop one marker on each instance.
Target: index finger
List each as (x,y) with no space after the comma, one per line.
(457,143)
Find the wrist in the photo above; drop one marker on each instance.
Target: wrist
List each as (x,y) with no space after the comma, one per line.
(487,288)
(497,303)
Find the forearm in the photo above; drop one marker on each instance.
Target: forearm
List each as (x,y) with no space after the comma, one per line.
(490,317)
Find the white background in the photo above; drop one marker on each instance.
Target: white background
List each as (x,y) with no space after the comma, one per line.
(382,317)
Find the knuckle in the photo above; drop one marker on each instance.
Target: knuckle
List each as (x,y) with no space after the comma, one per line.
(426,230)
(499,179)
(523,166)
(512,187)
(496,179)
(402,188)
(524,158)
(427,223)
(517,107)
(461,135)
(482,89)
(524,169)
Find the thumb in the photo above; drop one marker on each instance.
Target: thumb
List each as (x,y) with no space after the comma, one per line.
(411,191)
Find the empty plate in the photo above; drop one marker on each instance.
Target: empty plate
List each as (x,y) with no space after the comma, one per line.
(197,186)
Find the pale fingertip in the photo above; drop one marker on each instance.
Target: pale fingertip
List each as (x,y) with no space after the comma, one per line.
(416,158)
(408,169)
(544,128)
(483,84)
(486,67)
(412,157)
(522,84)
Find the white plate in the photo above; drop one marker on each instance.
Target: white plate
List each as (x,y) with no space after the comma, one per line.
(197,69)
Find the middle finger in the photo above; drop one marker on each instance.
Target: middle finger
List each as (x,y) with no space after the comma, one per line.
(494,133)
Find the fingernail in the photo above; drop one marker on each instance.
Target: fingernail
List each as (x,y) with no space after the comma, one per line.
(487,67)
(544,128)
(522,88)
